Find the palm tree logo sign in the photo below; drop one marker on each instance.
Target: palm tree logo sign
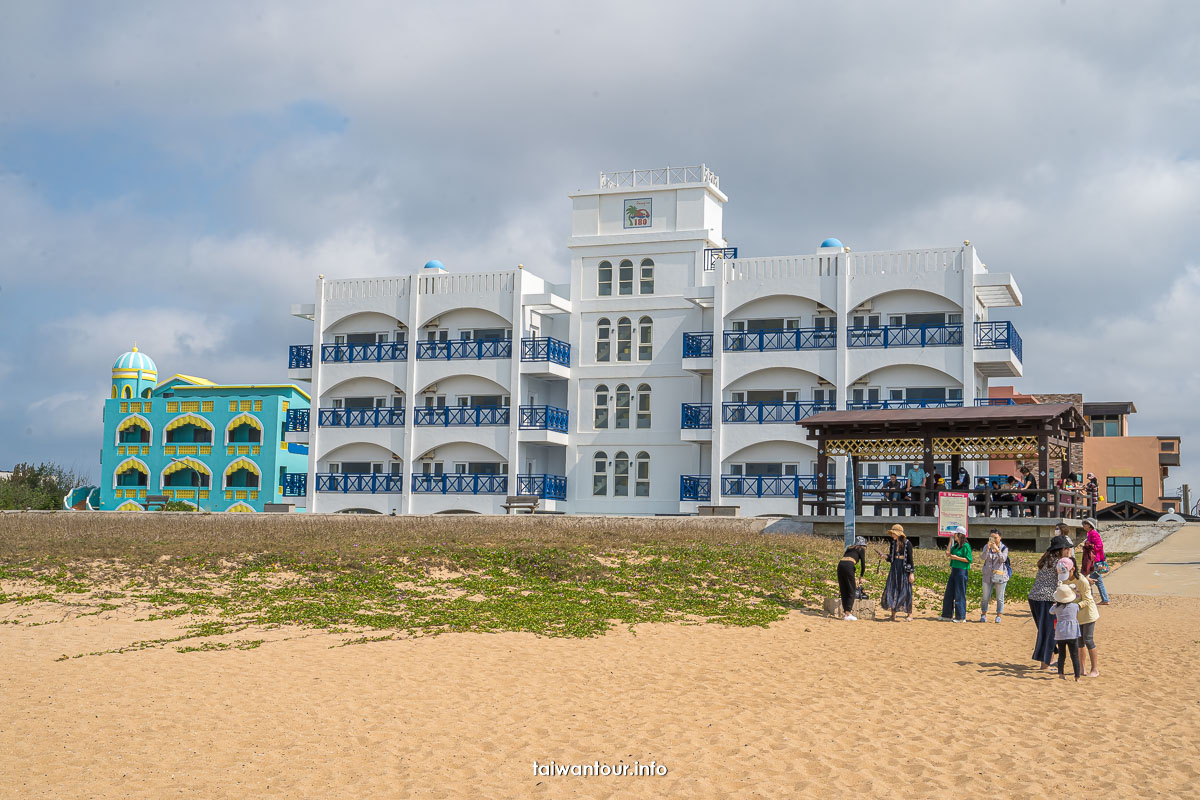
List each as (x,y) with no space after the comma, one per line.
(637,213)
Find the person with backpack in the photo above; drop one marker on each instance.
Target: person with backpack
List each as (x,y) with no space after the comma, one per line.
(996,572)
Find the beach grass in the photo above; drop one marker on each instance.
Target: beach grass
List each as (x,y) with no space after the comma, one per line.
(373,578)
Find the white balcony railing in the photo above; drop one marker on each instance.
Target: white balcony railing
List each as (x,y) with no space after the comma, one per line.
(665,176)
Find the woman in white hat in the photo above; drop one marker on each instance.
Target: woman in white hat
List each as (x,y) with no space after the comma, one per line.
(955,600)
(897,592)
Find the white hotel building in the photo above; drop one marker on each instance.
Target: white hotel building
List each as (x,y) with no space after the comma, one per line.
(668,374)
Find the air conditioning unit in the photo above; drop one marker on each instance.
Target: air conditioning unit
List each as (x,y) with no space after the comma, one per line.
(430,456)
(433,323)
(864,306)
(431,389)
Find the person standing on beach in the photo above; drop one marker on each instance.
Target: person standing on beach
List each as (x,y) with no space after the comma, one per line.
(1066,627)
(897,592)
(995,574)
(955,600)
(1041,597)
(847,586)
(1094,563)
(1088,615)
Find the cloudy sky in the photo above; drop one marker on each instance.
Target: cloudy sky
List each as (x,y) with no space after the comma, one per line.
(178,173)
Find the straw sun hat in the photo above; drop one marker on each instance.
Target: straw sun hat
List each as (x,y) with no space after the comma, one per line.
(1064,594)
(896,532)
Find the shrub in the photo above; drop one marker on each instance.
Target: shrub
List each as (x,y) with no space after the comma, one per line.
(40,487)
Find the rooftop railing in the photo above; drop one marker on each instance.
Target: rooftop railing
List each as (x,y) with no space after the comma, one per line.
(460,483)
(767,413)
(546,348)
(665,176)
(995,401)
(543,418)
(998,336)
(697,345)
(464,349)
(300,356)
(879,405)
(360,482)
(461,415)
(360,417)
(297,420)
(696,416)
(381,351)
(547,487)
(796,339)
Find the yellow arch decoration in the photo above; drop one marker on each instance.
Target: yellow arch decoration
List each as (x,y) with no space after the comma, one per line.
(189,419)
(242,463)
(134,422)
(129,505)
(243,419)
(135,464)
(241,507)
(187,463)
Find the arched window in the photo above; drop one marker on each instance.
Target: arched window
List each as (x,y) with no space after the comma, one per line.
(114,393)
(622,415)
(600,474)
(600,418)
(643,405)
(604,280)
(603,339)
(126,392)
(645,339)
(624,339)
(647,286)
(621,474)
(641,475)
(625,277)
(146,393)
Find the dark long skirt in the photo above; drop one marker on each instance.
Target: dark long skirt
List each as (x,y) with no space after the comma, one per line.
(847,586)
(897,592)
(1044,650)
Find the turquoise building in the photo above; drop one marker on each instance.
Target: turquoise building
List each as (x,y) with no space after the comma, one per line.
(216,447)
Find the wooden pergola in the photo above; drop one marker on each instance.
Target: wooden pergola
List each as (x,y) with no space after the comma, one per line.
(1045,432)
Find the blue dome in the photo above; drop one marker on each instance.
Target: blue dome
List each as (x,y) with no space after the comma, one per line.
(831,243)
(134,360)
(435,264)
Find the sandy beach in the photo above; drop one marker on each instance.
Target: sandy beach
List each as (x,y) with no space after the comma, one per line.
(808,707)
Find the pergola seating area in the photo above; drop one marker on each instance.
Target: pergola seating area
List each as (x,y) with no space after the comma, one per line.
(1042,432)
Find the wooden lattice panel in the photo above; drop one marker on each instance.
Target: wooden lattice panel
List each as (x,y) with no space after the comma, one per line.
(983,447)
(876,449)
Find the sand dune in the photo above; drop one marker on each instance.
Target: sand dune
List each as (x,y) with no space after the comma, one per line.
(808,708)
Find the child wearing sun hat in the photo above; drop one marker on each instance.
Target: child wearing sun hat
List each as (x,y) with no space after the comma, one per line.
(1066,627)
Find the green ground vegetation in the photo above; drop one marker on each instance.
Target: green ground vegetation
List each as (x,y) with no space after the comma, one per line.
(375,579)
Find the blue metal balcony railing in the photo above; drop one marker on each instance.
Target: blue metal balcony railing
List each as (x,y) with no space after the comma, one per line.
(891,404)
(381,351)
(543,418)
(766,485)
(546,348)
(465,348)
(360,482)
(297,420)
(461,415)
(998,336)
(360,417)
(695,487)
(697,345)
(766,413)
(547,487)
(995,401)
(300,356)
(696,416)
(798,339)
(460,483)
(295,484)
(904,336)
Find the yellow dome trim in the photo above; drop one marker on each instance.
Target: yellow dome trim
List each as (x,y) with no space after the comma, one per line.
(241,507)
(129,505)
(189,419)
(186,463)
(243,419)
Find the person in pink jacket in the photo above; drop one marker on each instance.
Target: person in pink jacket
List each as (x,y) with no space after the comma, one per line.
(1094,565)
